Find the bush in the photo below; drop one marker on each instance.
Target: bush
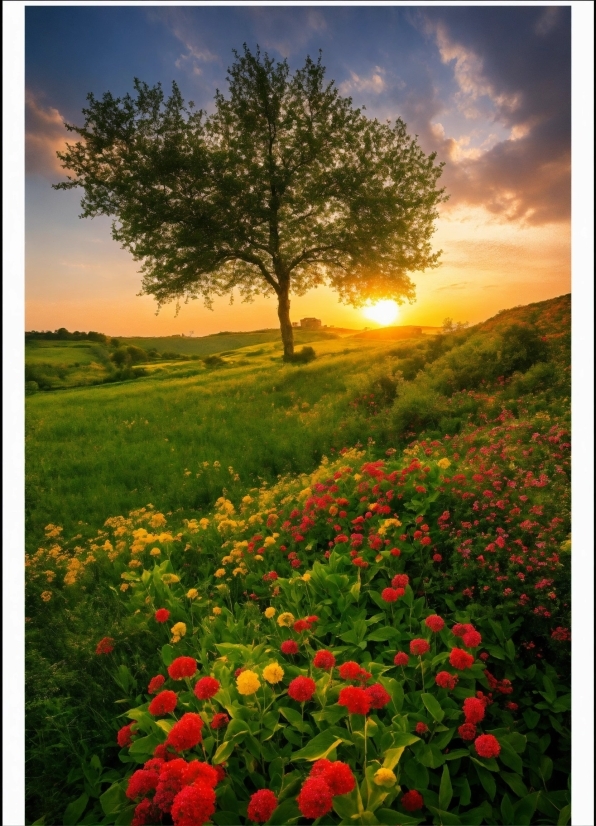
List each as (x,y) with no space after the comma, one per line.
(214,361)
(31,387)
(303,356)
(417,408)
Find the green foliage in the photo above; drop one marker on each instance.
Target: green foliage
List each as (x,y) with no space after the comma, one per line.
(303,356)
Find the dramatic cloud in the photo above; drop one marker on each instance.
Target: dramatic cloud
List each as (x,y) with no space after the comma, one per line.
(511,67)
(287,30)
(44,136)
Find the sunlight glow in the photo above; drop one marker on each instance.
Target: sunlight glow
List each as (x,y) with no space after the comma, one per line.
(383,312)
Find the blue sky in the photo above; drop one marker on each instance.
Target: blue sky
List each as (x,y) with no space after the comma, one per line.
(487,88)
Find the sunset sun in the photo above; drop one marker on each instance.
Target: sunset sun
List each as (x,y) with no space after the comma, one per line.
(383,312)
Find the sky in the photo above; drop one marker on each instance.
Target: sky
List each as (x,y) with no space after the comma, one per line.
(487,88)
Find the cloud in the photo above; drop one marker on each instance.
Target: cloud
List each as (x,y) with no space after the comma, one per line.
(459,285)
(511,69)
(182,25)
(374,83)
(44,136)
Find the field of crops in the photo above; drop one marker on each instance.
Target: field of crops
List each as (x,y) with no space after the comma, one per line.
(336,592)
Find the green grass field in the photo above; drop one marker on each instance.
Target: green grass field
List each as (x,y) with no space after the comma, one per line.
(93,452)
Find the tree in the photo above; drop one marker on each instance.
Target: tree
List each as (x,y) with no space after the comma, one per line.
(284,187)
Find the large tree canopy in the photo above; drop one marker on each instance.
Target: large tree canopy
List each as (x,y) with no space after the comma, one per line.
(284,187)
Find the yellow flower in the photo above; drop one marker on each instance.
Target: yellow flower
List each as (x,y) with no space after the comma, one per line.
(247,683)
(204,523)
(46,596)
(222,588)
(175,639)
(273,673)
(192,594)
(258,558)
(444,463)
(170,579)
(333,510)
(217,611)
(306,577)
(125,586)
(158,520)
(179,629)
(269,612)
(385,777)
(269,540)
(247,499)
(286,619)
(220,572)
(154,552)
(227,560)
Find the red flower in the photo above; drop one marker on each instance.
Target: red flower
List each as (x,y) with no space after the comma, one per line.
(435,623)
(473,709)
(421,728)
(289,647)
(219,720)
(312,618)
(339,778)
(145,813)
(186,733)
(472,639)
(198,772)
(324,660)
(141,783)
(164,703)
(301,689)
(193,806)
(124,736)
(162,615)
(401,658)
(206,688)
(400,581)
(301,625)
(419,647)
(467,731)
(171,781)
(262,805)
(155,684)
(356,700)
(105,646)
(395,552)
(446,680)
(378,696)
(182,667)
(460,659)
(487,746)
(221,772)
(154,764)
(411,801)
(512,706)
(162,752)
(349,670)
(319,767)
(315,798)
(459,629)
(437,558)
(389,594)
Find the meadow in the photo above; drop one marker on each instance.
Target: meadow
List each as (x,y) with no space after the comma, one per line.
(339,591)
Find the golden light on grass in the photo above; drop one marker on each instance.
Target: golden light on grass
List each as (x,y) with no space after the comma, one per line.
(383,312)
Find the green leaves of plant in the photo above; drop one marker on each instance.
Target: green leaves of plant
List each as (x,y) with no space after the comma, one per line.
(445,789)
(433,706)
(74,811)
(319,747)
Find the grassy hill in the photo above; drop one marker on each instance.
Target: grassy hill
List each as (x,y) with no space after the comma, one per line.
(473,430)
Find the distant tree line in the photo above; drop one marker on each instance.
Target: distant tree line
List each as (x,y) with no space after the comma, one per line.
(62,334)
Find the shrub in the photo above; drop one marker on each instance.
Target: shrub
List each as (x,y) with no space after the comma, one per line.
(214,361)
(417,408)
(303,356)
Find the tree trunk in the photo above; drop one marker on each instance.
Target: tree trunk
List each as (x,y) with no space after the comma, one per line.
(283,312)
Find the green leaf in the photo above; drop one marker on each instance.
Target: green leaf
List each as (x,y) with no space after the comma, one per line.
(382,634)
(510,649)
(393,818)
(287,812)
(417,773)
(430,756)
(511,758)
(319,747)
(433,706)
(145,745)
(456,754)
(225,750)
(445,817)
(507,811)
(74,811)
(225,819)
(525,808)
(445,789)
(113,799)
(355,590)
(168,655)
(515,783)
(392,757)
(292,716)
(403,738)
(517,741)
(487,780)
(564,816)
(532,718)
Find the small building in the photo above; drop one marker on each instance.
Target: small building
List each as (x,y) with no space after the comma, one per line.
(310,323)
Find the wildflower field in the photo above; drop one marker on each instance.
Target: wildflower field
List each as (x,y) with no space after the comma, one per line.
(374,629)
